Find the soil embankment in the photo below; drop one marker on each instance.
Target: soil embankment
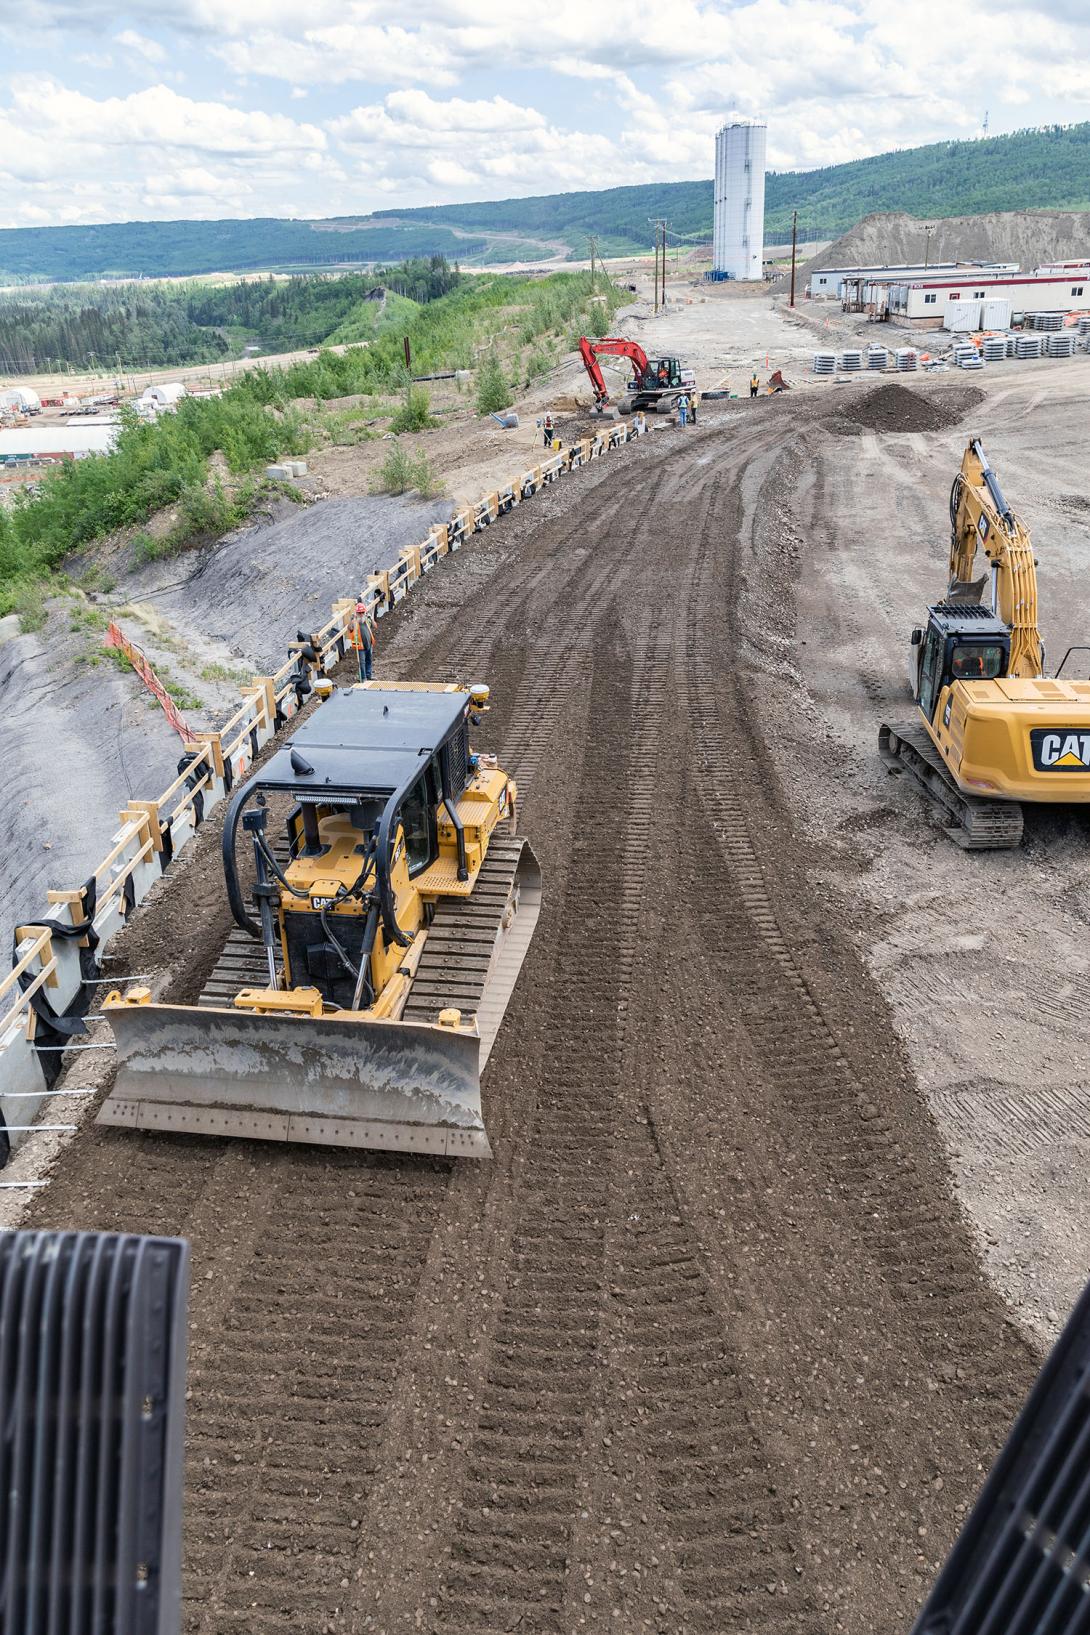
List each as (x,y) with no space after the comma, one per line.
(82,737)
(889,238)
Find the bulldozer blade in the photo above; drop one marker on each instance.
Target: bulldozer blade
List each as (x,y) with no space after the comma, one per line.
(391,1086)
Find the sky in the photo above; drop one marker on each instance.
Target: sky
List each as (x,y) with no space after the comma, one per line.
(158,109)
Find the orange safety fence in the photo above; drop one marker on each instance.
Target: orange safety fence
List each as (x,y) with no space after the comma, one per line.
(116,637)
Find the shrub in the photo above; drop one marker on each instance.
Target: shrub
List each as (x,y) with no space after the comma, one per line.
(415,413)
(28,601)
(493,390)
(539,362)
(401,470)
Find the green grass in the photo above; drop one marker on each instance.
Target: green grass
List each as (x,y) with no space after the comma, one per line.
(371,318)
(165,464)
(224,672)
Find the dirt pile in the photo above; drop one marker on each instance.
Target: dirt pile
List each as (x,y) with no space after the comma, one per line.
(895,408)
(1027,237)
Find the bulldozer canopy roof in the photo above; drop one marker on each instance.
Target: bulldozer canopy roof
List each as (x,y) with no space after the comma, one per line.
(366,740)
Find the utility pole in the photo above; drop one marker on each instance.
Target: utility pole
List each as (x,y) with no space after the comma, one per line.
(794,246)
(656,266)
(593,242)
(928,230)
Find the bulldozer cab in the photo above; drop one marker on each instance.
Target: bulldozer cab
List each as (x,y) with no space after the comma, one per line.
(367,776)
(961,642)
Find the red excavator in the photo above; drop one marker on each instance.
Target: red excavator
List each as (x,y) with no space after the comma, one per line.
(656,384)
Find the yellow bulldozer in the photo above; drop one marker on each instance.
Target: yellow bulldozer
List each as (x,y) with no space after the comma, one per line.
(993,731)
(387,910)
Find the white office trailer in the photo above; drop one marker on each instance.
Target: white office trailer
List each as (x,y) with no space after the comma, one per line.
(738,239)
(827,283)
(982,301)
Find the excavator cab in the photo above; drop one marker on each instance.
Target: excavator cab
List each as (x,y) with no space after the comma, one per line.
(961,642)
(662,372)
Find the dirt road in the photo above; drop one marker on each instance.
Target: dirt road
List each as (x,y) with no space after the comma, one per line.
(707,1346)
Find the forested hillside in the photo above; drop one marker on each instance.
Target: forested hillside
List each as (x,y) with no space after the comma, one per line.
(145,325)
(1030,170)
(164,249)
(1048,168)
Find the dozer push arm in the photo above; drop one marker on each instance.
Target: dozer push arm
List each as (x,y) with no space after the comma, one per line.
(980,516)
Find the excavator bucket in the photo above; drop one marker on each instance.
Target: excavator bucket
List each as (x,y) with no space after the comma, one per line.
(401,1086)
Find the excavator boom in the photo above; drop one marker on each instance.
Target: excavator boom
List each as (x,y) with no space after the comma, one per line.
(980,518)
(992,731)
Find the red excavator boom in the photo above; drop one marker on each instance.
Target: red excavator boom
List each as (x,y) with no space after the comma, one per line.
(615,346)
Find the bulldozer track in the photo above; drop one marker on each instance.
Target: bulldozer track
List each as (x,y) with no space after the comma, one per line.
(693,1352)
(529,1455)
(458,954)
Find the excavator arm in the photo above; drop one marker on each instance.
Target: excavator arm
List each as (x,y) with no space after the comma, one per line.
(613,346)
(981,518)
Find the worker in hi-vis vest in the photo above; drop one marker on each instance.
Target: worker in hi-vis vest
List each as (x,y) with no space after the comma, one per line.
(754,383)
(363,639)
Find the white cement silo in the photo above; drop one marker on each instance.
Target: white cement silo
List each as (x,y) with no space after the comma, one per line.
(738,244)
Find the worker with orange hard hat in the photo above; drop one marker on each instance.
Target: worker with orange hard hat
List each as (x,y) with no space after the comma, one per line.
(363,638)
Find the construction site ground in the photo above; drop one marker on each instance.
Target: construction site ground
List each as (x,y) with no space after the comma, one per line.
(789,1111)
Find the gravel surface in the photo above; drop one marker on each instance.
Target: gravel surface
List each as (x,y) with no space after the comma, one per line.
(708,1346)
(983,957)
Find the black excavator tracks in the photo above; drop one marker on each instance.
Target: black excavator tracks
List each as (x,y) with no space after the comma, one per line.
(976,825)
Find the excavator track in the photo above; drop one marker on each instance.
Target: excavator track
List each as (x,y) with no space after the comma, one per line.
(477,944)
(976,825)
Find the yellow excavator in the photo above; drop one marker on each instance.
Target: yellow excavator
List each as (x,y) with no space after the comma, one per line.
(992,730)
(372,958)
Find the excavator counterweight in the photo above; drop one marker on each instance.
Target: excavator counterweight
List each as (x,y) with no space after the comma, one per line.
(992,731)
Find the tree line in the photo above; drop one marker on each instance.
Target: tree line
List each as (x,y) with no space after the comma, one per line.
(148,325)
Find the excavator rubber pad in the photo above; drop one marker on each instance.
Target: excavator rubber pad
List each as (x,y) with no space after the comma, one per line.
(92,1376)
(1021,1565)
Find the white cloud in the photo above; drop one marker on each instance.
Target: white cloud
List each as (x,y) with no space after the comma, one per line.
(397,112)
(88,159)
(140,45)
(423,148)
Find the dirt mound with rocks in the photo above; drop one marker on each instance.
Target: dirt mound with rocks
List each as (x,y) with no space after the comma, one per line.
(895,408)
(893,237)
